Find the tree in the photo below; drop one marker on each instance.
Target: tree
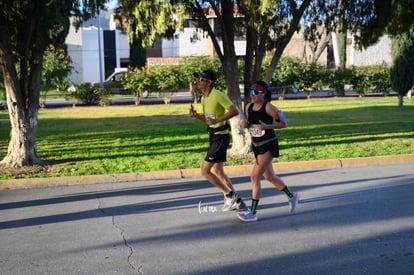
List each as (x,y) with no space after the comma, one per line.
(56,67)
(137,53)
(27,27)
(402,70)
(145,19)
(394,17)
(341,18)
(316,40)
(283,22)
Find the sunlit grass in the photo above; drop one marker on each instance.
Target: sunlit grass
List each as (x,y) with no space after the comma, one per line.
(121,139)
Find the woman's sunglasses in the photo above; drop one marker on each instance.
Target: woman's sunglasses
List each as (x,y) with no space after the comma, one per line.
(255,92)
(201,79)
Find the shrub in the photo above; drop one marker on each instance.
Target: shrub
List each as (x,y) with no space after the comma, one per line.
(189,65)
(360,80)
(380,78)
(371,78)
(337,79)
(88,94)
(287,71)
(311,77)
(167,80)
(138,80)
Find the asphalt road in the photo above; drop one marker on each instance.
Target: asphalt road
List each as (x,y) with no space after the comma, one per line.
(185,97)
(351,220)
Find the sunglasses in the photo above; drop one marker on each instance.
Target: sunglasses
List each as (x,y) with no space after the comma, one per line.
(200,79)
(255,92)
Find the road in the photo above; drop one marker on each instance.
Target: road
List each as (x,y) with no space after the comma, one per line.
(351,220)
(185,97)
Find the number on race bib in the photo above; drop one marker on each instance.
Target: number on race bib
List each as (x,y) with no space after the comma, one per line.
(255,131)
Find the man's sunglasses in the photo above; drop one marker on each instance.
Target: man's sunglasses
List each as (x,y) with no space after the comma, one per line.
(255,92)
(201,79)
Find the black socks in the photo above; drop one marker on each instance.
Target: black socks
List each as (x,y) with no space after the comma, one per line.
(287,192)
(254,206)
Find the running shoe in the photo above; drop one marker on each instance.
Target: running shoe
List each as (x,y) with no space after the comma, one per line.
(247,216)
(239,205)
(228,202)
(234,203)
(293,202)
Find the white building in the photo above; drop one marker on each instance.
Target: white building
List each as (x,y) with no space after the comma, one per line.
(96,49)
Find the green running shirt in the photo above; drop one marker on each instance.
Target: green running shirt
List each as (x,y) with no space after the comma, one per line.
(214,106)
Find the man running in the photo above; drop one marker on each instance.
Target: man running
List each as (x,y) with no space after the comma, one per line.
(217,110)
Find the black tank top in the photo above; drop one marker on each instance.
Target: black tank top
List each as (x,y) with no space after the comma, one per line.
(254,118)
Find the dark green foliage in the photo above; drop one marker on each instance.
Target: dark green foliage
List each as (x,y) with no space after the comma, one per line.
(137,55)
(402,71)
(371,78)
(287,71)
(290,71)
(88,94)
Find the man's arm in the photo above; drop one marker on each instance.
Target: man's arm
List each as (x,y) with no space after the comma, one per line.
(231,112)
(194,114)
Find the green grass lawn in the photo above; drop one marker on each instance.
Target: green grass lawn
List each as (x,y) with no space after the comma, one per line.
(120,139)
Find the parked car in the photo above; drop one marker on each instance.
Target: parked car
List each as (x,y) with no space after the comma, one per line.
(113,82)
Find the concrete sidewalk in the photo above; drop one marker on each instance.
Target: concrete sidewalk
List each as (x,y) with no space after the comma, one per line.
(351,220)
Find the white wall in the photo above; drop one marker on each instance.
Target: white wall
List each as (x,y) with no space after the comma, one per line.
(377,54)
(122,45)
(74,45)
(187,42)
(91,55)
(83,49)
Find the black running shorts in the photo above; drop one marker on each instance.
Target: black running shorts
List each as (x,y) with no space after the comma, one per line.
(217,152)
(272,146)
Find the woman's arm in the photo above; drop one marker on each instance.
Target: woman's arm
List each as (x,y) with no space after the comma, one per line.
(272,111)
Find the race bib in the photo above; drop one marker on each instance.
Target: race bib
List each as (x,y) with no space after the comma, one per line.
(210,116)
(255,131)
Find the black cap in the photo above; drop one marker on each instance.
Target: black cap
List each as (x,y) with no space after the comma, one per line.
(207,74)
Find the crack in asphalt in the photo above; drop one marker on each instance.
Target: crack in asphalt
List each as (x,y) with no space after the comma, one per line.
(122,234)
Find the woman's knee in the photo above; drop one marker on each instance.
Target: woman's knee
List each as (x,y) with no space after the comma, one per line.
(269,177)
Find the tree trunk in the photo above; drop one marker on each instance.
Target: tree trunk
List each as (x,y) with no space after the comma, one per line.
(22,148)
(231,72)
(400,100)
(326,41)
(240,138)
(23,105)
(281,47)
(251,38)
(239,143)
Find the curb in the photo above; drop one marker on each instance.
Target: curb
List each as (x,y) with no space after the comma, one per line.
(192,173)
